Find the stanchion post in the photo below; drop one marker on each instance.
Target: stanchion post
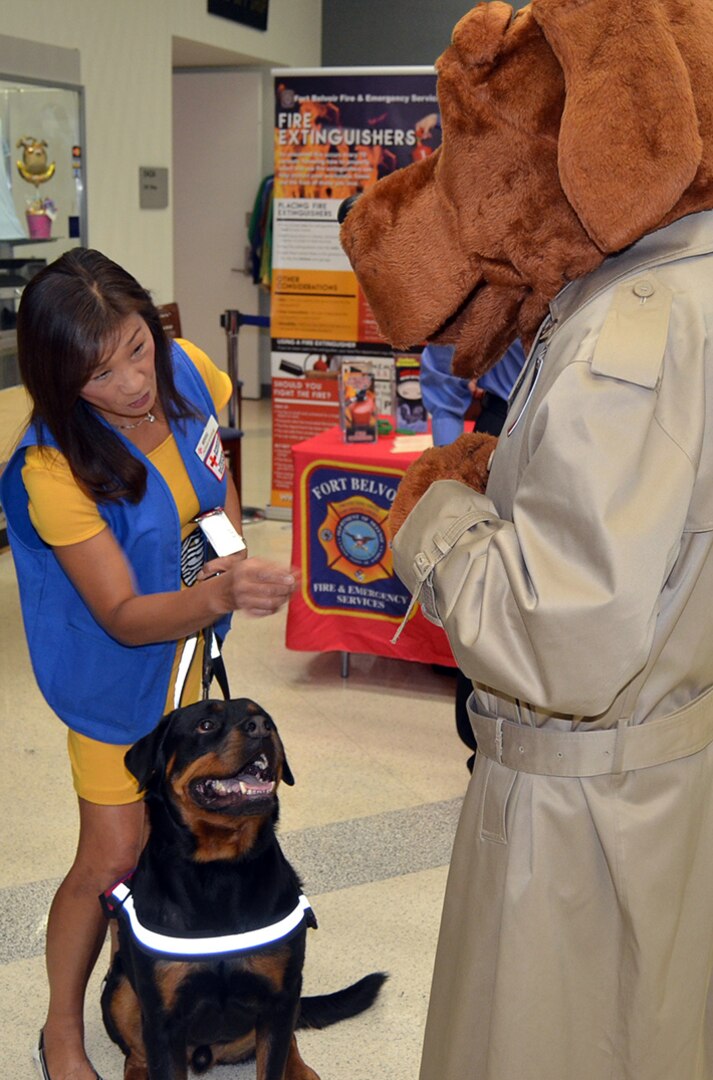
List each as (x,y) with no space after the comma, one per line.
(231,320)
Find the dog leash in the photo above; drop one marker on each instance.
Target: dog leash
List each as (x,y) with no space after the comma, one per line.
(213,665)
(118,901)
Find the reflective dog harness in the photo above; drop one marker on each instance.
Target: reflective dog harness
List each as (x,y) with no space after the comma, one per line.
(118,901)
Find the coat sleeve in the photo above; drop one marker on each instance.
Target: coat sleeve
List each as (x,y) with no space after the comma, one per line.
(558,606)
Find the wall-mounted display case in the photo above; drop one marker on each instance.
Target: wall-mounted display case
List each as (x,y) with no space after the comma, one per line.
(42,190)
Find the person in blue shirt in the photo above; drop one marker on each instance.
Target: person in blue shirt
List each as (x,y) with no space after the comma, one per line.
(451,401)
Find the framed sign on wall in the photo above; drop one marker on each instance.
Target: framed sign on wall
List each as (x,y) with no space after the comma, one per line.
(249,12)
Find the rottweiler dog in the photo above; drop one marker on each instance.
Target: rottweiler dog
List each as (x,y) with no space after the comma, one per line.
(213,922)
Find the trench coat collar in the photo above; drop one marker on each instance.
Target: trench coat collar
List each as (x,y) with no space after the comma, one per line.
(688,237)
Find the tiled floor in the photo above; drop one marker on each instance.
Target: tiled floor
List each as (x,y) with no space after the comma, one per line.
(369,824)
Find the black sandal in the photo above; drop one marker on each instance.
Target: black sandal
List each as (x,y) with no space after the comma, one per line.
(39,1059)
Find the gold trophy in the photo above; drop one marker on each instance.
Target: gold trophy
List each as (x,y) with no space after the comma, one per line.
(35,169)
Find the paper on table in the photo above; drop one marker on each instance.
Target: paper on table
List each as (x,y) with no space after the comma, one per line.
(411,444)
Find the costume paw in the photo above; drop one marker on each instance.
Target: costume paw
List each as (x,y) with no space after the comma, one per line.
(467,459)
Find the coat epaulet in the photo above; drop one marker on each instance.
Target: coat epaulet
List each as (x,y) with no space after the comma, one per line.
(632,341)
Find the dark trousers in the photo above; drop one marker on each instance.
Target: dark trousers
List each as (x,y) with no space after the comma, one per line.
(464,689)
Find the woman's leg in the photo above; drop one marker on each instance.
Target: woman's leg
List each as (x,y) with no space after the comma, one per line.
(110,841)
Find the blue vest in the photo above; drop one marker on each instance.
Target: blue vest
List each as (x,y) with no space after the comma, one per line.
(111,692)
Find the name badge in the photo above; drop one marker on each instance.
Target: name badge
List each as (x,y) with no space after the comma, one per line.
(215,458)
(207,438)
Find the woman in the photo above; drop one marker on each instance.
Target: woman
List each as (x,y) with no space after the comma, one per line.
(121,455)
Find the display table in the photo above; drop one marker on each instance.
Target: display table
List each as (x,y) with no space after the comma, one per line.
(350,600)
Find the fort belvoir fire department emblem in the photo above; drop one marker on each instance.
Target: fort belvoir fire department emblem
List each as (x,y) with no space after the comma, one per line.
(354,540)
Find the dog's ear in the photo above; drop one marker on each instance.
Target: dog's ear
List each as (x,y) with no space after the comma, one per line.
(629,144)
(147,757)
(287,777)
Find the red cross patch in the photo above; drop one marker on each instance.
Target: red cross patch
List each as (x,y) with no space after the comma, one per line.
(215,458)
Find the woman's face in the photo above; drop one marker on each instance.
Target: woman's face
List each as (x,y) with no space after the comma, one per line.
(123,386)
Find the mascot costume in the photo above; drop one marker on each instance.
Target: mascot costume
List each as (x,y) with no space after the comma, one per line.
(571,562)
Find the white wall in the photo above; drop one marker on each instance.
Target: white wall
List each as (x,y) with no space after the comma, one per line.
(125,49)
(217,168)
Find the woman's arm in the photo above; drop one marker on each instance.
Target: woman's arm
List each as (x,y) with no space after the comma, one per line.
(101,574)
(232,505)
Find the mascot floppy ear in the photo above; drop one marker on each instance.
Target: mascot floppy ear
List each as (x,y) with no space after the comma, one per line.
(409,228)
(629,143)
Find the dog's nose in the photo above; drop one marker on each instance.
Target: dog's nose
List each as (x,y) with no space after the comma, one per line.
(258,727)
(345,207)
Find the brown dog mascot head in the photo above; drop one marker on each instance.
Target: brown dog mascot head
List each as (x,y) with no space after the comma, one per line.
(570,130)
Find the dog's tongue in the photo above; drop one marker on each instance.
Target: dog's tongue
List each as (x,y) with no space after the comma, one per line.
(250,785)
(244,784)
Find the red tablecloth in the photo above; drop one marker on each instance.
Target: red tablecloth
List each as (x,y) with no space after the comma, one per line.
(350,599)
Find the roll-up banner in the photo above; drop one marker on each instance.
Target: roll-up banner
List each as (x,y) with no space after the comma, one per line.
(337,131)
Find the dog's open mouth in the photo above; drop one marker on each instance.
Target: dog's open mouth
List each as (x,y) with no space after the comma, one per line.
(255,781)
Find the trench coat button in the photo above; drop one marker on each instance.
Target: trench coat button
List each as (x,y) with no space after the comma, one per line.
(643,289)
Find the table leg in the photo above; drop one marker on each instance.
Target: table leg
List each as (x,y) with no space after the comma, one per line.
(345,665)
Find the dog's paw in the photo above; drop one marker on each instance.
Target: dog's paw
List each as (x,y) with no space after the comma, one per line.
(296,1068)
(135,1070)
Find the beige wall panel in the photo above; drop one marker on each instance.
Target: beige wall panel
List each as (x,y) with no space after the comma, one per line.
(217,141)
(126,68)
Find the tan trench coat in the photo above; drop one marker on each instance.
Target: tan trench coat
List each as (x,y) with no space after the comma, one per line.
(577,932)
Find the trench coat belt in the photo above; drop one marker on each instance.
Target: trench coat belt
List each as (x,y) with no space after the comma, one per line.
(546,752)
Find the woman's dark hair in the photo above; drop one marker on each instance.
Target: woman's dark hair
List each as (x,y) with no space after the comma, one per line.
(70,315)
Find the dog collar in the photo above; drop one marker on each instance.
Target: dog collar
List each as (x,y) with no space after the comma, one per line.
(119,901)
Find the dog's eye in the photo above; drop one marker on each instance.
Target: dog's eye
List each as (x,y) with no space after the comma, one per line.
(207,725)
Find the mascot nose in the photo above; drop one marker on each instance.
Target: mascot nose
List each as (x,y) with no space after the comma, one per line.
(258,727)
(345,207)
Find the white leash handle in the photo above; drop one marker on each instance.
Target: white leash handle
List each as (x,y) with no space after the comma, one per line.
(184,664)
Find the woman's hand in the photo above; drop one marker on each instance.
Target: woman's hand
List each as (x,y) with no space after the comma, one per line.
(214,567)
(254,586)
